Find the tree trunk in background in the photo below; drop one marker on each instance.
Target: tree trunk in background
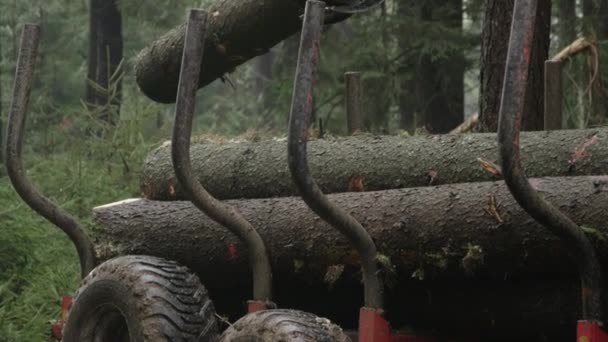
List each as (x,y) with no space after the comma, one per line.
(596,95)
(377,87)
(567,33)
(495,39)
(263,79)
(441,82)
(105,55)
(407,89)
(567,22)
(1,116)
(91,94)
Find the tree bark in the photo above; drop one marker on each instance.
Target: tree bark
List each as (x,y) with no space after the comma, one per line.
(91,92)
(440,81)
(473,236)
(432,229)
(1,115)
(567,30)
(406,72)
(259,169)
(495,39)
(567,22)
(238,31)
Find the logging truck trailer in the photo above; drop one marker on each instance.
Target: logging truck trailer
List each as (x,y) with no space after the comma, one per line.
(147,298)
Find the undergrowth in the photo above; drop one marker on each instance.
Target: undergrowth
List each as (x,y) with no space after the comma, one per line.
(78,168)
(39,263)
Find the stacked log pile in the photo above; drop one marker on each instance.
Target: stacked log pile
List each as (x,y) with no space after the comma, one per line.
(464,256)
(463,259)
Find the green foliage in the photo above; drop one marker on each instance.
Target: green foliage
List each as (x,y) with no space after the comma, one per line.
(38,262)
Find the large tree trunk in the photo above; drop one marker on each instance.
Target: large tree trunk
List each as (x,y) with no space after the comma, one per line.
(593,31)
(567,31)
(440,81)
(495,39)
(104,85)
(257,170)
(407,87)
(1,117)
(474,235)
(91,93)
(238,31)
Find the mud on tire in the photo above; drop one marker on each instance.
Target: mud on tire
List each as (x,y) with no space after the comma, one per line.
(141,298)
(283,326)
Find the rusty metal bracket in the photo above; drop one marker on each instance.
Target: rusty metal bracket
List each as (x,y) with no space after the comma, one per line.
(511,112)
(14,161)
(299,120)
(180,153)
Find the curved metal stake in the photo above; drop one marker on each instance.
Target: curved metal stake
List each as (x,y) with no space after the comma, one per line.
(180,153)
(511,111)
(299,119)
(14,162)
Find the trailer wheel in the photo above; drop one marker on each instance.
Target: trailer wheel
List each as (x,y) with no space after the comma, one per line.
(283,326)
(140,298)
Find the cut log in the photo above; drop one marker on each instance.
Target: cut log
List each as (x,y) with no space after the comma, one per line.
(474,228)
(486,266)
(238,31)
(259,169)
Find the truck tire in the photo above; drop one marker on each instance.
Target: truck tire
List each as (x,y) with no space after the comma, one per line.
(283,326)
(140,299)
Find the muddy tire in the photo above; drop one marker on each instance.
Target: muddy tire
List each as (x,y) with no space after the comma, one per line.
(283,326)
(141,299)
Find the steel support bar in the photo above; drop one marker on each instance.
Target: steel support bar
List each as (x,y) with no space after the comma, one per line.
(180,153)
(510,118)
(14,161)
(299,120)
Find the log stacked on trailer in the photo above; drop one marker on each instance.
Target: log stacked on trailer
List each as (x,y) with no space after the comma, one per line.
(259,169)
(468,245)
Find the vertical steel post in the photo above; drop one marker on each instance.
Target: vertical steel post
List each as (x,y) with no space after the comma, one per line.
(299,118)
(511,112)
(14,161)
(180,154)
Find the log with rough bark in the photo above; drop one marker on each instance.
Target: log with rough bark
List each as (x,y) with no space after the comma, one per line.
(505,271)
(238,31)
(259,169)
(449,230)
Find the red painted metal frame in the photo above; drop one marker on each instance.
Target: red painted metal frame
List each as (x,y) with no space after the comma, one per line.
(511,111)
(57,325)
(259,305)
(373,327)
(590,331)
